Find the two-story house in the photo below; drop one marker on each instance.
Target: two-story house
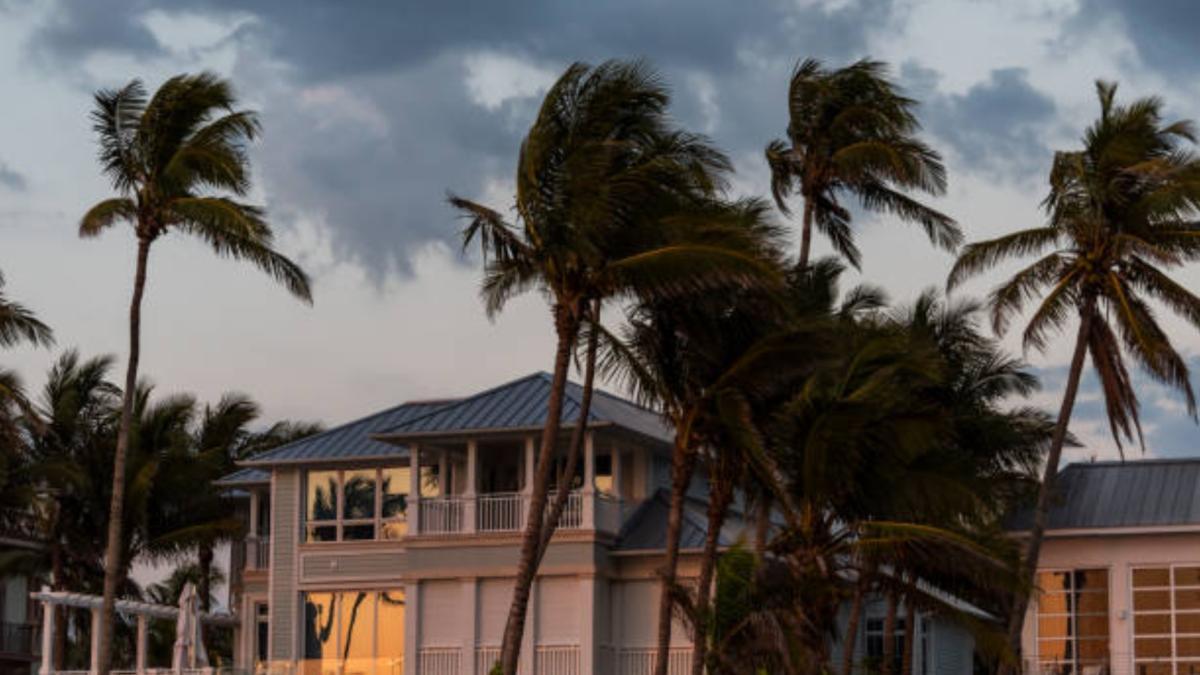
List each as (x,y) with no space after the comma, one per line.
(388,545)
(1119,572)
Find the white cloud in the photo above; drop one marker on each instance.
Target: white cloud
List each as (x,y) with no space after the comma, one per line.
(493,79)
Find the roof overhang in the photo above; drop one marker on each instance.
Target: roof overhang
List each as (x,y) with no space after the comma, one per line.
(1127,531)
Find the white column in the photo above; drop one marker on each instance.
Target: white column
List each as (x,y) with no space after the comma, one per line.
(412,627)
(140,654)
(414,490)
(589,482)
(469,611)
(530,441)
(587,626)
(95,641)
(251,561)
(470,505)
(48,610)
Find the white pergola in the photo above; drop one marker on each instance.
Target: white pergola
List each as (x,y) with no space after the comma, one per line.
(142,611)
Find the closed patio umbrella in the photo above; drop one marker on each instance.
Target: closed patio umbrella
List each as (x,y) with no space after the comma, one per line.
(189,650)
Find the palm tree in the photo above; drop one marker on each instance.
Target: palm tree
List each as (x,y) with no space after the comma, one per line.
(612,201)
(851,131)
(1120,213)
(173,159)
(18,324)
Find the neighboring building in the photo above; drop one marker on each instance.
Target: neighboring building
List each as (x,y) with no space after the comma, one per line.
(1119,572)
(388,546)
(19,625)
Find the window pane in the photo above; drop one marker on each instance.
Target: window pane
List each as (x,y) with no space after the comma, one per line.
(357,632)
(1187,622)
(1053,650)
(1053,626)
(322,533)
(394,486)
(1144,600)
(359,488)
(1187,599)
(1051,582)
(1152,647)
(1152,624)
(1187,576)
(1092,626)
(603,479)
(1189,668)
(391,633)
(429,482)
(320,632)
(394,529)
(1053,603)
(1091,580)
(322,496)
(358,532)
(1154,669)
(1151,576)
(1093,650)
(1091,602)
(1187,646)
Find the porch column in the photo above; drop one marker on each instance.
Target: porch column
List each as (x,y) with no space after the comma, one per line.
(588,520)
(48,609)
(140,657)
(469,500)
(95,660)
(414,492)
(251,561)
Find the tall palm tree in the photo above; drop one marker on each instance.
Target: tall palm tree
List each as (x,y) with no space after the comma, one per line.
(174,159)
(612,201)
(19,324)
(1120,213)
(852,132)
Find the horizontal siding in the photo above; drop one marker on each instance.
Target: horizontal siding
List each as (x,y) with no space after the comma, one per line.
(356,565)
(284,527)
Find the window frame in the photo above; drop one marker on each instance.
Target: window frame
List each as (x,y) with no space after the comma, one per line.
(340,522)
(1075,663)
(1174,660)
(338,596)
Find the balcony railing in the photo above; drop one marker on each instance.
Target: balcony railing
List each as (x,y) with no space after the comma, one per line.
(500,512)
(19,639)
(256,553)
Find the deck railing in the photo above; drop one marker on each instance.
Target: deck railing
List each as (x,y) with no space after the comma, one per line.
(439,661)
(442,515)
(642,661)
(500,512)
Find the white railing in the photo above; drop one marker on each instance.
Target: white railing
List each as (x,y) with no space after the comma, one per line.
(486,656)
(501,512)
(608,513)
(642,661)
(556,660)
(438,661)
(442,515)
(262,554)
(572,513)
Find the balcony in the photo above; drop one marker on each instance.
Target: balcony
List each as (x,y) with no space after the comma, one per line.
(506,512)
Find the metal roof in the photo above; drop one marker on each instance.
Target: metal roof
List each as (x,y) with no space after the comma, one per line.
(350,441)
(246,476)
(521,404)
(646,529)
(1143,493)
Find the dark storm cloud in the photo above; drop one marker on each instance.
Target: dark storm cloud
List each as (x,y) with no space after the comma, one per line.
(1162,31)
(380,186)
(996,127)
(11,178)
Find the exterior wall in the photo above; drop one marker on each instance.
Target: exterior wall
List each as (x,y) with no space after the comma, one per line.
(16,600)
(1118,554)
(283,594)
(951,647)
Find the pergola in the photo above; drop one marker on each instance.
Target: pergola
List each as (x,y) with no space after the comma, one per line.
(142,611)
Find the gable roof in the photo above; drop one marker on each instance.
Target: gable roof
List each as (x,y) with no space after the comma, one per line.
(646,528)
(1142,493)
(349,441)
(521,405)
(244,477)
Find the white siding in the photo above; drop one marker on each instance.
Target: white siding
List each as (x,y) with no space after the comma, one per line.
(285,525)
(635,614)
(495,597)
(558,611)
(954,648)
(442,614)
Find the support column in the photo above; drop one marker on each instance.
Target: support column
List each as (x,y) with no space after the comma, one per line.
(95,660)
(251,561)
(412,628)
(140,654)
(588,644)
(588,497)
(469,612)
(470,503)
(48,609)
(414,490)
(527,488)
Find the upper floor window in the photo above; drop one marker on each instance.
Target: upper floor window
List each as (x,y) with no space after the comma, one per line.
(360,504)
(1166,619)
(1072,621)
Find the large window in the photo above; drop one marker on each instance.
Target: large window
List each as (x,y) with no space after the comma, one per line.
(360,504)
(1166,620)
(875,637)
(354,632)
(1072,621)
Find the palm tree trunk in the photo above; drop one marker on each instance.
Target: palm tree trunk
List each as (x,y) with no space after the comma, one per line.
(204,588)
(682,463)
(910,636)
(566,324)
(806,234)
(889,636)
(577,437)
(114,567)
(850,641)
(718,508)
(762,526)
(1016,620)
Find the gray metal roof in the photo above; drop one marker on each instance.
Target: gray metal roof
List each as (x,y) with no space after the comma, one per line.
(521,404)
(243,477)
(1144,493)
(646,529)
(350,441)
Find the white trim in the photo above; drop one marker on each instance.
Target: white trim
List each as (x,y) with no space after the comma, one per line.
(1188,528)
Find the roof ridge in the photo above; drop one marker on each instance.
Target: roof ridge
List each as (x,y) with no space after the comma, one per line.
(464,400)
(1134,462)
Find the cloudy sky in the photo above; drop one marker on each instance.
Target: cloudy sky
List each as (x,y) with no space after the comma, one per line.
(373,110)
